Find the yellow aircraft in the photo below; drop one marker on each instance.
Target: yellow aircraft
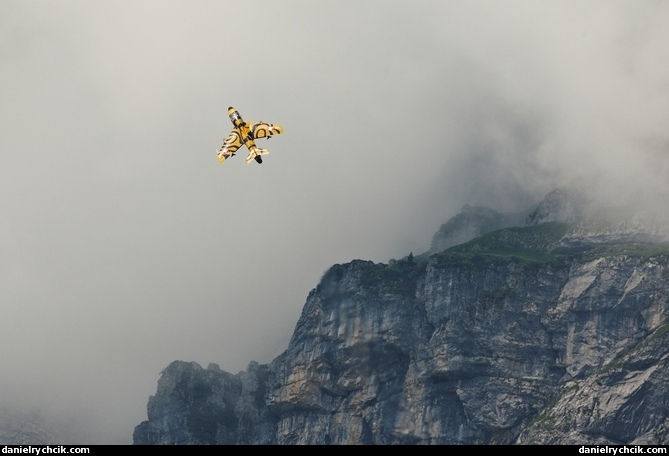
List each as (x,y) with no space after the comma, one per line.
(245,134)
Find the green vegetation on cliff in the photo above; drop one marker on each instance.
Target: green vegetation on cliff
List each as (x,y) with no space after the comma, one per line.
(525,245)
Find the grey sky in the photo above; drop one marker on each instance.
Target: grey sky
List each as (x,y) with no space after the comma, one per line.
(125,245)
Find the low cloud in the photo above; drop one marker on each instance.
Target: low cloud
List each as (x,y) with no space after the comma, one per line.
(125,245)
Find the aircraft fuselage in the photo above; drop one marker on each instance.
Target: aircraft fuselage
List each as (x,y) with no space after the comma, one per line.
(244,131)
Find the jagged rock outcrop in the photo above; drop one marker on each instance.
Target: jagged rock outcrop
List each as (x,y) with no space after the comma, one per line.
(517,336)
(567,205)
(196,406)
(471,223)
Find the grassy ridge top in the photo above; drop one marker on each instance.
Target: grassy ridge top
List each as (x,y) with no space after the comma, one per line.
(536,244)
(532,244)
(527,247)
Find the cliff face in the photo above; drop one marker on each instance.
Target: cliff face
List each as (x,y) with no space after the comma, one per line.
(517,336)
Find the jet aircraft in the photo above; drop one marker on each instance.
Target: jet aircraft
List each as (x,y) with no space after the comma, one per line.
(245,133)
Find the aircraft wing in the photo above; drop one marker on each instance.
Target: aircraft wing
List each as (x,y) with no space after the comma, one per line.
(265,130)
(230,146)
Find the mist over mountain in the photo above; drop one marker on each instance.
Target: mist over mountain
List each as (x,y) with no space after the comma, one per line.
(125,245)
(549,327)
(19,427)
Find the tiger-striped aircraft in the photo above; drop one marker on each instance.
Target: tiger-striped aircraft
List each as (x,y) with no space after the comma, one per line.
(245,133)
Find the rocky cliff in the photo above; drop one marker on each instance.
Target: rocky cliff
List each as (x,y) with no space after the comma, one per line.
(553,331)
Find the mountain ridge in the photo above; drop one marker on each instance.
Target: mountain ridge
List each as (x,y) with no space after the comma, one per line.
(493,340)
